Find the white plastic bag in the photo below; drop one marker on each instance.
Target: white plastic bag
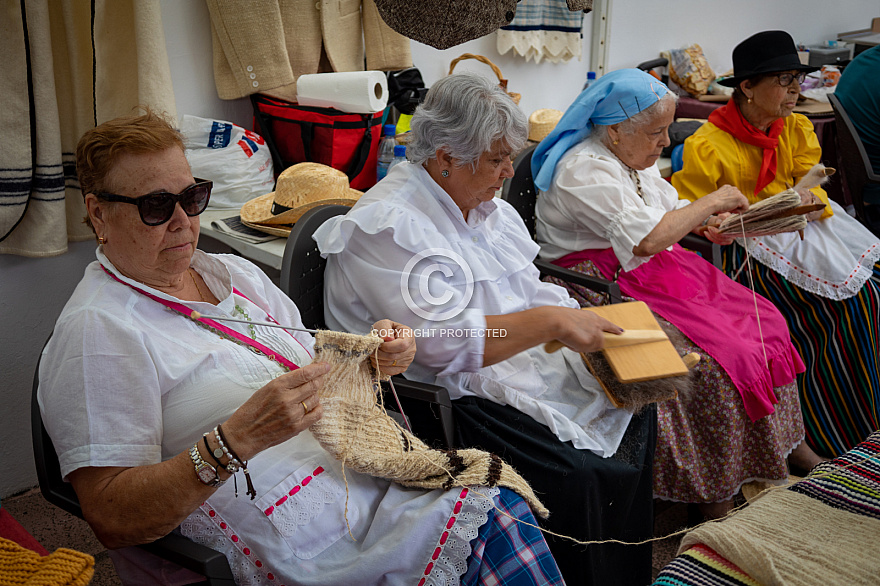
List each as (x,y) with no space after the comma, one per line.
(236,160)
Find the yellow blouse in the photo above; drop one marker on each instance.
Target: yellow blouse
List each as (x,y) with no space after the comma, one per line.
(713,157)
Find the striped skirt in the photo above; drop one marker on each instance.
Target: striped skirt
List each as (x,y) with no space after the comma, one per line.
(839,342)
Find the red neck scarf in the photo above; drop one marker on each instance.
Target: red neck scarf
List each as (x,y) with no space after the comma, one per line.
(729,119)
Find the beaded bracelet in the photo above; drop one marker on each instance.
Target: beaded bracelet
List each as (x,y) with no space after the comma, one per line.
(227,449)
(234,464)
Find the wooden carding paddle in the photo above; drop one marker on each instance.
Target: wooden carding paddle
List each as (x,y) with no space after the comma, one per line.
(627,338)
(647,360)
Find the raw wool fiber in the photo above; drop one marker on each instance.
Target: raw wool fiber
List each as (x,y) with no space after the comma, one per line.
(63,567)
(638,395)
(763,218)
(359,433)
(790,538)
(760,220)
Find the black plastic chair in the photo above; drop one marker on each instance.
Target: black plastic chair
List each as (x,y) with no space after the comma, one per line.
(174,547)
(855,166)
(427,406)
(520,192)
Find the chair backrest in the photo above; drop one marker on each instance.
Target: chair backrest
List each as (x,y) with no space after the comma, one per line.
(302,268)
(174,547)
(519,191)
(53,487)
(855,164)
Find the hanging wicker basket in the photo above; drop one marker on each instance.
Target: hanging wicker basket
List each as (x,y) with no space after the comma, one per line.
(501,81)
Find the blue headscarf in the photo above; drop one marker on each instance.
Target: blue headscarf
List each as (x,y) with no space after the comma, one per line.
(615,97)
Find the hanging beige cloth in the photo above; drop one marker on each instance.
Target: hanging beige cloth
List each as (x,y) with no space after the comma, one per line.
(265,46)
(50,98)
(358,432)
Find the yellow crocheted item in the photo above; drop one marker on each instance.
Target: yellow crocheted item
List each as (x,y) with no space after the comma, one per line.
(63,567)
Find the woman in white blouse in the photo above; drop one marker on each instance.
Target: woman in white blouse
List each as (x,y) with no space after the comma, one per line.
(432,247)
(147,407)
(604,210)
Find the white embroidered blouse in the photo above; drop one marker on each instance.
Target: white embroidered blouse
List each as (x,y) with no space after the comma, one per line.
(405,252)
(126,381)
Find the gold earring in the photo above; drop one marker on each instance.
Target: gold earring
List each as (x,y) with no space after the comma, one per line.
(102,240)
(615,142)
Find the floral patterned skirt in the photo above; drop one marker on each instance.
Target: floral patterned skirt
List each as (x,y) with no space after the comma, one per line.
(707,447)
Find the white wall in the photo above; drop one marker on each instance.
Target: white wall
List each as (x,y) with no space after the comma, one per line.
(33,291)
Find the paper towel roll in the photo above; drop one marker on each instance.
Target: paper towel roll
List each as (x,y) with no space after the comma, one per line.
(361,92)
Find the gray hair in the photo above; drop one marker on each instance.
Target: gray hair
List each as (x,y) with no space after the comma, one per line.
(636,121)
(465,114)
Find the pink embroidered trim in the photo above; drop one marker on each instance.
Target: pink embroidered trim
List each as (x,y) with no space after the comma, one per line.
(237,541)
(813,277)
(445,535)
(305,482)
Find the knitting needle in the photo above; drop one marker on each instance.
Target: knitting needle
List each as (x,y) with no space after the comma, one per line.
(627,338)
(197,315)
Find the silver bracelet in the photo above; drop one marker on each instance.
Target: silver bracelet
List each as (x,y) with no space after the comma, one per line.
(233,465)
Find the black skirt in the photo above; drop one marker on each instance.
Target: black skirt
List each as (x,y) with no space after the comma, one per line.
(590,498)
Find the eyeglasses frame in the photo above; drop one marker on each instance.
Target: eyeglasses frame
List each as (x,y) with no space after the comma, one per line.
(800,76)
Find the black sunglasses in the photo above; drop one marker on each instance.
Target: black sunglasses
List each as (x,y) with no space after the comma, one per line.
(157,208)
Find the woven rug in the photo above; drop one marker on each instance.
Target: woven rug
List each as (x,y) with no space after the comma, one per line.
(821,530)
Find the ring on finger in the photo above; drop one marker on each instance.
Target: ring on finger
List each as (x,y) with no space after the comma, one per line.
(306,409)
(394,363)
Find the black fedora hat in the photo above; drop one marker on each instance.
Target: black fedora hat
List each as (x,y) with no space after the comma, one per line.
(764,52)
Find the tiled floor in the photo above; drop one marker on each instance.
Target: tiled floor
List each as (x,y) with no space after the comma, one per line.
(54,528)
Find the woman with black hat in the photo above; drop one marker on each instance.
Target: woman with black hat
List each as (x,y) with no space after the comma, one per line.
(828,285)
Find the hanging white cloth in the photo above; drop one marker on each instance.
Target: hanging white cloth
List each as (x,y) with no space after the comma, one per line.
(543,29)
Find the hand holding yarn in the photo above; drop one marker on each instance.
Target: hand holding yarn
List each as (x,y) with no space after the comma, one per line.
(398,349)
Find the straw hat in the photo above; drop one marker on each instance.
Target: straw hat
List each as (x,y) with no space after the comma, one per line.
(542,122)
(299,188)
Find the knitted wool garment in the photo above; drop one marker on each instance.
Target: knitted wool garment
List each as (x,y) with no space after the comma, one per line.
(358,432)
(63,567)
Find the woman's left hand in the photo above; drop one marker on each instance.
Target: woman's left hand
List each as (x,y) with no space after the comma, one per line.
(711,230)
(398,350)
(808,198)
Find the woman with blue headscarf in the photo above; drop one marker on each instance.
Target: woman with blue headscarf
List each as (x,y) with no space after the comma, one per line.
(604,210)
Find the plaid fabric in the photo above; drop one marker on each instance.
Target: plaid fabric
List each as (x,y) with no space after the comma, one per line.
(508,552)
(548,15)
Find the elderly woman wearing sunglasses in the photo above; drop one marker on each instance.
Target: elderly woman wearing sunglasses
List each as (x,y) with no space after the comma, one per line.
(150,411)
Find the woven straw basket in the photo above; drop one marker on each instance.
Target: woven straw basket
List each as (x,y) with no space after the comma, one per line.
(501,81)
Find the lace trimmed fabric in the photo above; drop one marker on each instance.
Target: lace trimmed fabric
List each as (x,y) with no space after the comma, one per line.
(543,29)
(834,260)
(358,432)
(207,527)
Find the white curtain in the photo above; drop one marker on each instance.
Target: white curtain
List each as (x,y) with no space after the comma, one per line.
(54,87)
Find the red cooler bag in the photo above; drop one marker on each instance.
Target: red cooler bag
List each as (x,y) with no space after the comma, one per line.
(297,134)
